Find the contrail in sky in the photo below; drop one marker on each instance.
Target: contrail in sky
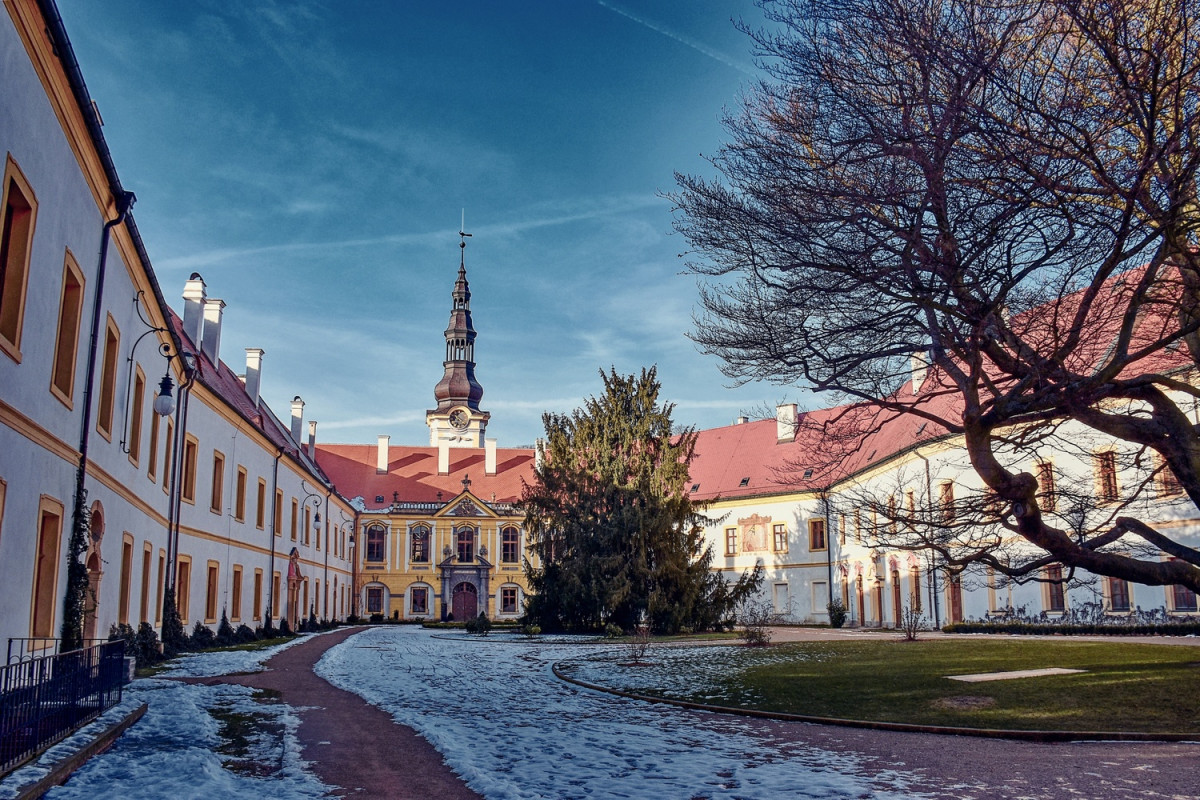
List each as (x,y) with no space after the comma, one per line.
(684,40)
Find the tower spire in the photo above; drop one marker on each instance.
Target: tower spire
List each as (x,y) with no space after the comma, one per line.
(458,418)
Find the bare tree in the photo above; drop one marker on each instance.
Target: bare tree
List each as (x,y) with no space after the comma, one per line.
(1004,191)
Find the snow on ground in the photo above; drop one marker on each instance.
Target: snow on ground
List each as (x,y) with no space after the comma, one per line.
(515,732)
(226,662)
(177,749)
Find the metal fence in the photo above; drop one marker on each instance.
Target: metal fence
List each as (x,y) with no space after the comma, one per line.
(44,699)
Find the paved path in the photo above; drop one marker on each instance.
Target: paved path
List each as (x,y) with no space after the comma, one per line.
(350,743)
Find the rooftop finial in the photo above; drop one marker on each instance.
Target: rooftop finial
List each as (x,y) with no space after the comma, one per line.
(462,232)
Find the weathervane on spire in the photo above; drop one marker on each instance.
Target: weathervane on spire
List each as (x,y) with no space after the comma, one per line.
(462,232)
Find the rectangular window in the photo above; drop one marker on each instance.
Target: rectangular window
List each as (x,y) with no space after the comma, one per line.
(946,500)
(45,568)
(731,541)
(183,587)
(108,379)
(218,483)
(508,600)
(144,606)
(1106,476)
(510,545)
(135,416)
(858,527)
(239,496)
(779,534)
(16,243)
(1047,494)
(374,600)
(260,510)
(1168,485)
(914,579)
(307,522)
(258,594)
(66,342)
(275,595)
(420,544)
(158,587)
(420,601)
(187,491)
(1118,594)
(235,599)
(126,579)
(277,516)
(210,593)
(816,535)
(1056,596)
(295,514)
(168,455)
(841,528)
(1184,599)
(152,462)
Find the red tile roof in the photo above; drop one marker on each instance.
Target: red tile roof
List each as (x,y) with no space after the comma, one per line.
(412,473)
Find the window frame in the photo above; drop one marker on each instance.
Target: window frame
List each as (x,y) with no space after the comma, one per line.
(239,493)
(187,482)
(465,537)
(375,551)
(66,337)
(510,544)
(419,541)
(44,594)
(730,542)
(423,593)
(779,537)
(217,490)
(16,282)
(818,538)
(106,401)
(1108,489)
(507,606)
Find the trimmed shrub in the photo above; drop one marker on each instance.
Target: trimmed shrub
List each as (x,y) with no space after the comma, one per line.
(837,613)
(225,633)
(203,637)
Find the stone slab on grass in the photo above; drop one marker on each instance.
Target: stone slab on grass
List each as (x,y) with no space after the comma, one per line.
(980,677)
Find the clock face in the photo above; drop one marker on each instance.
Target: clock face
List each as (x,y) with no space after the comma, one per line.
(459,418)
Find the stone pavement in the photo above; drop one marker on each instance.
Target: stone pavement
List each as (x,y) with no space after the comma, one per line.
(351,743)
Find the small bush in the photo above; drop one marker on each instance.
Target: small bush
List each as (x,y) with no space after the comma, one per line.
(837,613)
(225,633)
(639,645)
(911,623)
(284,628)
(203,637)
(148,648)
(756,617)
(531,630)
(376,618)
(174,637)
(480,625)
(245,634)
(613,631)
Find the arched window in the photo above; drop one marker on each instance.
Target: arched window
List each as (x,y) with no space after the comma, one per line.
(466,544)
(375,539)
(510,545)
(419,551)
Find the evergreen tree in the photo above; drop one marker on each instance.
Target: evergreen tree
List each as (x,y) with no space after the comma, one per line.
(617,539)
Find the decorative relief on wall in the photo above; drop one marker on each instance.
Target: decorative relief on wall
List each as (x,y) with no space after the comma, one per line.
(465,508)
(754,533)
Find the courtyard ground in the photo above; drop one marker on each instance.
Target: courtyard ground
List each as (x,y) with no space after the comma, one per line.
(492,709)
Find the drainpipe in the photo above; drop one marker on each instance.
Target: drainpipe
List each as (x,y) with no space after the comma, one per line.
(828,544)
(72,623)
(325,574)
(175,493)
(933,590)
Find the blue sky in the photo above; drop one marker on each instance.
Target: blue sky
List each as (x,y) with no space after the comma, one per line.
(312,161)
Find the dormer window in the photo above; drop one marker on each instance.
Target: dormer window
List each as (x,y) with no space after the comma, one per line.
(745,482)
(695,487)
(807,474)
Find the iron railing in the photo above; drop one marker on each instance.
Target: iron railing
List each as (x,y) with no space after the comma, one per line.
(43,699)
(31,647)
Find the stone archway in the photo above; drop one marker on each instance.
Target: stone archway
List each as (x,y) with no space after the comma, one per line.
(466,602)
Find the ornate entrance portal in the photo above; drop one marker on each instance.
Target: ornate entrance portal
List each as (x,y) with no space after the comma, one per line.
(466,601)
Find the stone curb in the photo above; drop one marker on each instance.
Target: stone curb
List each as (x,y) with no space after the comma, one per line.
(62,770)
(900,727)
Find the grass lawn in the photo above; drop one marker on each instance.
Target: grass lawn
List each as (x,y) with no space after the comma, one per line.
(1125,686)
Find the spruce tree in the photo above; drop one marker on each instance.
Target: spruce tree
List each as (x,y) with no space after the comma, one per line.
(617,539)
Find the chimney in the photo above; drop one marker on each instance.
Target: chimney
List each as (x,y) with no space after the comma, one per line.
(312,439)
(741,420)
(381,458)
(194,297)
(919,366)
(212,329)
(297,418)
(253,373)
(489,456)
(443,457)
(785,423)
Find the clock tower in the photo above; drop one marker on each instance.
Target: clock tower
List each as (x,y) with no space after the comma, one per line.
(458,420)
